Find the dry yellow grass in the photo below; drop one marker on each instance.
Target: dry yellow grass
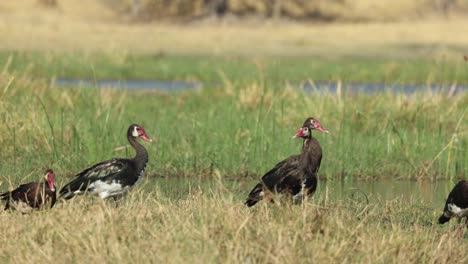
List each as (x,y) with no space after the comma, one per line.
(210,225)
(87,26)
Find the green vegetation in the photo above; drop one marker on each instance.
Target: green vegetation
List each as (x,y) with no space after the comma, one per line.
(235,126)
(274,71)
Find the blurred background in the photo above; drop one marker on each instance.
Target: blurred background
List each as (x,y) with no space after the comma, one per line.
(312,10)
(395,28)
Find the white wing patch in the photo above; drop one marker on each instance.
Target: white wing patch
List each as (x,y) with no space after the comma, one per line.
(142,172)
(111,167)
(299,196)
(457,210)
(106,189)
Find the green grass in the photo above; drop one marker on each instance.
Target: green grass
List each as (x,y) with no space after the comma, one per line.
(238,128)
(275,71)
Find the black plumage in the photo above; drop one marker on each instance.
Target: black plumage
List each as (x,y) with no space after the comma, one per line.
(456,204)
(114,177)
(33,195)
(295,176)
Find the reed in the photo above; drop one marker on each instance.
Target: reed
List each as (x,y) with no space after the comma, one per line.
(239,128)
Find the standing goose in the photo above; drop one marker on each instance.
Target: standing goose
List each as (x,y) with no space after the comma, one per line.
(112,178)
(33,194)
(457,203)
(296,174)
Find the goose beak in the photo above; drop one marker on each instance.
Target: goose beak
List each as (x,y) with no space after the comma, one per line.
(299,133)
(51,186)
(50,181)
(320,128)
(146,138)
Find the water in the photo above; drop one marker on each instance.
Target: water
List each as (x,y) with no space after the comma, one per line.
(373,88)
(432,194)
(317,87)
(155,85)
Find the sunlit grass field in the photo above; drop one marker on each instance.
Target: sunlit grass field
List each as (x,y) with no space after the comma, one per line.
(235,125)
(274,71)
(218,140)
(211,145)
(210,225)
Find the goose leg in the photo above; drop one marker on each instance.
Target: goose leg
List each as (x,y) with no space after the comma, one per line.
(460,228)
(117,199)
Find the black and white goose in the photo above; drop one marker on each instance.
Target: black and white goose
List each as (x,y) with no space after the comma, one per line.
(456,204)
(32,195)
(295,176)
(112,178)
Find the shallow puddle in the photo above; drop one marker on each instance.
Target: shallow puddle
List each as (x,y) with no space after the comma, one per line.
(432,194)
(156,85)
(316,87)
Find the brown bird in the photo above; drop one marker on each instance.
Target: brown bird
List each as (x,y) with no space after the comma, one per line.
(32,195)
(456,204)
(295,176)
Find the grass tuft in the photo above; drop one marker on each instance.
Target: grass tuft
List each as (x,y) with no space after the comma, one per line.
(210,223)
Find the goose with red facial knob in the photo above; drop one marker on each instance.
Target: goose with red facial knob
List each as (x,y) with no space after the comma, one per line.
(32,195)
(295,176)
(112,178)
(456,204)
